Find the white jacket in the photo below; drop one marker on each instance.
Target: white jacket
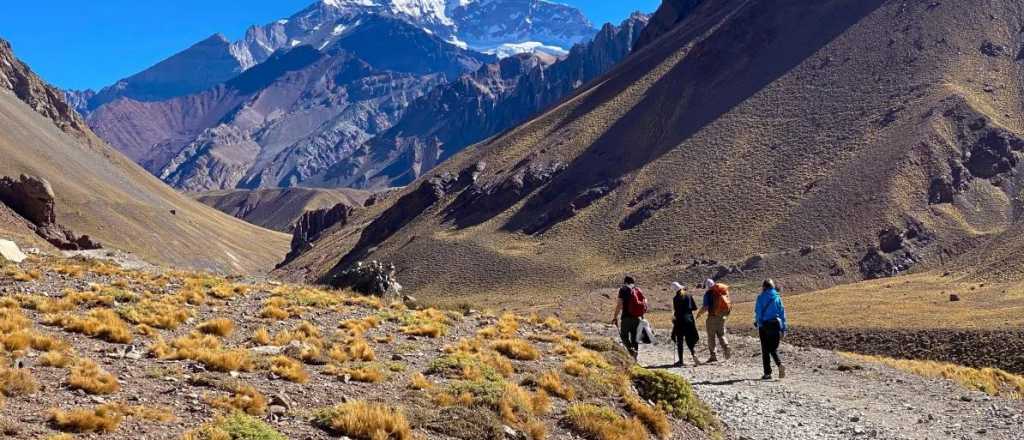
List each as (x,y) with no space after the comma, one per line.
(644,332)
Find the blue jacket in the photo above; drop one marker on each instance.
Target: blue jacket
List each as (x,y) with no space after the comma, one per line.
(769,307)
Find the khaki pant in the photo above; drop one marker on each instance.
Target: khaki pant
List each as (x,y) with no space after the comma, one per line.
(717,333)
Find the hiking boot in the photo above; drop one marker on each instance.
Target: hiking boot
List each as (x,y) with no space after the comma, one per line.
(782,372)
(679,364)
(728,353)
(766,377)
(696,362)
(711,360)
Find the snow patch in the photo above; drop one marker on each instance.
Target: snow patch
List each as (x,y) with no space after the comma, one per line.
(509,49)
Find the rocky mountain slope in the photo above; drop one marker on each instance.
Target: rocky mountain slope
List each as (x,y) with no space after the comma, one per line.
(317,116)
(284,118)
(279,209)
(86,187)
(817,143)
(454,116)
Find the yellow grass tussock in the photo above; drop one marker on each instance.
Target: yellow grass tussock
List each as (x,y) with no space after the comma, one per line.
(289,369)
(359,419)
(88,376)
(218,327)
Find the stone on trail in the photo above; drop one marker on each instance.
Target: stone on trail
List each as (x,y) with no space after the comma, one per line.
(9,251)
(954,297)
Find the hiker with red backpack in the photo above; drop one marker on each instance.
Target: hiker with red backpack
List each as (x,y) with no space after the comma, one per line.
(718,306)
(630,308)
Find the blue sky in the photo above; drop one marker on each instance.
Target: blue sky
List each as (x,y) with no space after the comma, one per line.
(76,44)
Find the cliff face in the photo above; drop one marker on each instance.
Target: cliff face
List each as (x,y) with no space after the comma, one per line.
(43,98)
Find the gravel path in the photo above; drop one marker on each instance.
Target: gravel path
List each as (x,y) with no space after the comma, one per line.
(818,401)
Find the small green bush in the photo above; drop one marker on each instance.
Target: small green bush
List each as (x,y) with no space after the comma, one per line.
(237,426)
(676,396)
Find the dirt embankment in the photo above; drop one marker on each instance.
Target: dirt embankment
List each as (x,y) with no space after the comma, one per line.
(1003,349)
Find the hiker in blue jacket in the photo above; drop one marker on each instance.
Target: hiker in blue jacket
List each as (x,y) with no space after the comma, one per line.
(770,320)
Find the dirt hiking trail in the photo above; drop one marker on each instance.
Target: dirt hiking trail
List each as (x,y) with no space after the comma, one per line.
(818,401)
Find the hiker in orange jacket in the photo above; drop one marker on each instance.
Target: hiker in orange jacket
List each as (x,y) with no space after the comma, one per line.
(717,306)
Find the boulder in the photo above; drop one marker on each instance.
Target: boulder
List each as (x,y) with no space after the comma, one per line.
(33,199)
(370,278)
(9,251)
(954,297)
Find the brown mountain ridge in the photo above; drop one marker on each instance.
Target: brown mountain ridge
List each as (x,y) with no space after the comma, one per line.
(101,194)
(819,143)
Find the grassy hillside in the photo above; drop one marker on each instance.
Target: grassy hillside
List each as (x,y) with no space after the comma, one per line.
(820,144)
(102,194)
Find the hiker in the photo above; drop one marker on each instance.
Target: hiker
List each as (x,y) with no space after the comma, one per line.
(770,320)
(630,308)
(718,307)
(684,325)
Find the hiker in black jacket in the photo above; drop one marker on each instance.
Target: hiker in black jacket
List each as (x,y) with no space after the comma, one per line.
(684,325)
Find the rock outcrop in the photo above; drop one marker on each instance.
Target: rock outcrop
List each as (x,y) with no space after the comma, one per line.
(313,224)
(369,278)
(43,98)
(33,198)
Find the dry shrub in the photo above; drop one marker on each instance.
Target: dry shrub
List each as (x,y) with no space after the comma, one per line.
(87,376)
(420,382)
(207,350)
(289,369)
(536,430)
(218,327)
(355,350)
(12,320)
(104,324)
(575,335)
(164,314)
(244,398)
(362,420)
(551,382)
(276,308)
(431,323)
(105,418)
(517,405)
(261,336)
(553,324)
(653,417)
(17,382)
(358,327)
(991,381)
(146,331)
(508,324)
(17,341)
(363,373)
(518,349)
(603,423)
(56,359)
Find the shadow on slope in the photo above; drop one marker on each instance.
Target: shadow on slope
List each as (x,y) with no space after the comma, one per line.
(733,53)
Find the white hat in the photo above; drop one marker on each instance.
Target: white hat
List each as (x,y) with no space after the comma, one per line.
(676,287)
(709,283)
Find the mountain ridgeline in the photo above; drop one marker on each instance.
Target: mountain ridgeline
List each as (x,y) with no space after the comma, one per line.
(350,94)
(61,187)
(818,143)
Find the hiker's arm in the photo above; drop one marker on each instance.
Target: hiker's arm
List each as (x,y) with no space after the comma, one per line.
(618,309)
(782,316)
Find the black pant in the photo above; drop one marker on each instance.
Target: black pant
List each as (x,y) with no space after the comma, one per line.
(771,334)
(627,332)
(684,331)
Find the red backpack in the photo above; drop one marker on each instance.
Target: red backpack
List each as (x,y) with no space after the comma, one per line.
(636,304)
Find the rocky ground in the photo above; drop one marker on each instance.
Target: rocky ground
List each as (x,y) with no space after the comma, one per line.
(818,400)
(284,353)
